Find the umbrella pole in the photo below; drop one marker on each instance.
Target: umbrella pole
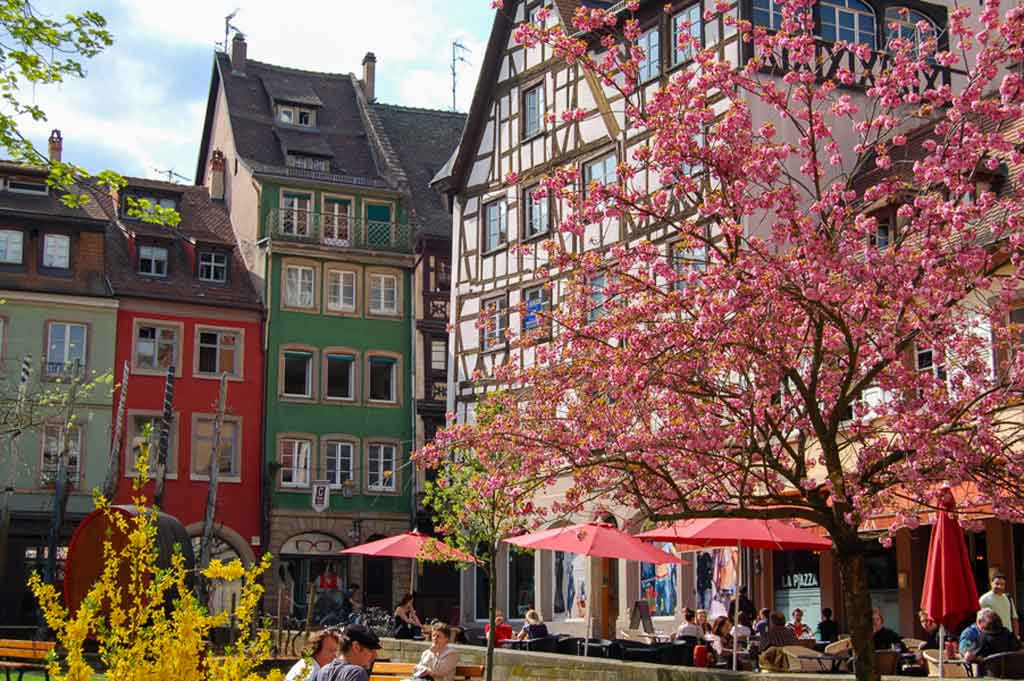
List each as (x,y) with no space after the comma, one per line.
(736,600)
(942,648)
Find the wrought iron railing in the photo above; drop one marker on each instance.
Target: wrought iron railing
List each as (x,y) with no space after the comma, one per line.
(339,231)
(830,58)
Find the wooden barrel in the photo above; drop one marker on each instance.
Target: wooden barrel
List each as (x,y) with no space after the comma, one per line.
(84,565)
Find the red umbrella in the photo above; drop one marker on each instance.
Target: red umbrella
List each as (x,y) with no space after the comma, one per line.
(601,540)
(410,545)
(774,535)
(949,595)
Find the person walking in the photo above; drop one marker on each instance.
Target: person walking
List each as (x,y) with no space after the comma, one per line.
(1002,603)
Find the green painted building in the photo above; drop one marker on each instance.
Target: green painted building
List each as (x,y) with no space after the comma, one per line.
(322,218)
(58,308)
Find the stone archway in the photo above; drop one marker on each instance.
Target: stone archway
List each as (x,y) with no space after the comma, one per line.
(228,545)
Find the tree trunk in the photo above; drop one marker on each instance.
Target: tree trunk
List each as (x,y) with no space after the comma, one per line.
(492,608)
(857,600)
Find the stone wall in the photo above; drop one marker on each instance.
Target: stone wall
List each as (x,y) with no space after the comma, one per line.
(516,665)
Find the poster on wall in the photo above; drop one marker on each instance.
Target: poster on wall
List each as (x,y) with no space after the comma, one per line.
(658,584)
(570,592)
(716,580)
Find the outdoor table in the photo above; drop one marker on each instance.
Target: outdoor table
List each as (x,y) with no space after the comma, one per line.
(827,663)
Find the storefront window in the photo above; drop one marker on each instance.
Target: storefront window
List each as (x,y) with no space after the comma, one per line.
(658,585)
(797,584)
(483,592)
(520,583)
(883,581)
(570,592)
(716,580)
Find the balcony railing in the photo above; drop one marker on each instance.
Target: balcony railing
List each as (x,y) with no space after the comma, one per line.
(830,58)
(338,231)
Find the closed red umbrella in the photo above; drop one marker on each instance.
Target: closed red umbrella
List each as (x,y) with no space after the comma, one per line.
(601,540)
(410,545)
(949,595)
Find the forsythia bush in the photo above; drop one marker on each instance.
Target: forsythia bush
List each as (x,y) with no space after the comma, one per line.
(149,624)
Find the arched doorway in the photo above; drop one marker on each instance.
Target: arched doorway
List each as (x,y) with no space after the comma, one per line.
(227,546)
(377,580)
(310,568)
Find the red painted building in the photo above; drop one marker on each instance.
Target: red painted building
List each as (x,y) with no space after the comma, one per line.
(186,300)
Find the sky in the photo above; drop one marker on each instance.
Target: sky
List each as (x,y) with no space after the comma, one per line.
(140,108)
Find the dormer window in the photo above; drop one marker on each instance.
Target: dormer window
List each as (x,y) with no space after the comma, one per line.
(316,163)
(213,267)
(24,186)
(153,261)
(165,202)
(296,115)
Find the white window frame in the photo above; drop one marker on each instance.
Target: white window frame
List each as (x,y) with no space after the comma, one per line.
(352,360)
(236,369)
(341,290)
(340,222)
(157,342)
(856,12)
(66,348)
(536,213)
(235,474)
(650,42)
(939,371)
(308,394)
(530,294)
(693,15)
(385,483)
(150,254)
(906,25)
(27,187)
(686,259)
(533,111)
(48,473)
(495,227)
(300,468)
(296,208)
(340,473)
(772,9)
(56,249)
(598,296)
(494,334)
(8,238)
(300,290)
(379,303)
(436,343)
(131,464)
(392,364)
(209,266)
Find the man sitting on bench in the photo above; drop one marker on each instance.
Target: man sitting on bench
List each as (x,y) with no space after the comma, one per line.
(359,648)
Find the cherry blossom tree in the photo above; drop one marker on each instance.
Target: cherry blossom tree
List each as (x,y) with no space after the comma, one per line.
(797,354)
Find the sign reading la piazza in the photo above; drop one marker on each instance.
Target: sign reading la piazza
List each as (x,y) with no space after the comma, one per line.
(321,496)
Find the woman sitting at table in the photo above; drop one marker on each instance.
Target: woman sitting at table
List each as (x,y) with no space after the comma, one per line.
(407,623)
(742,630)
(721,635)
(534,626)
(439,661)
(689,628)
(702,621)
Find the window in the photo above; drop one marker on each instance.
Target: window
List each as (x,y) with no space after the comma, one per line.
(53,444)
(341,291)
(300,286)
(658,584)
(379,228)
(298,374)
(848,20)
(601,170)
(536,211)
(650,64)
(202,447)
(495,225)
(294,459)
(322,165)
(219,352)
(686,22)
(520,582)
(336,222)
(153,261)
(598,297)
(901,22)
(381,468)
(926,362)
(537,305)
(11,241)
(295,214)
(496,322)
(442,273)
(383,379)
(213,267)
(144,429)
(57,251)
(438,355)
(768,13)
(881,238)
(383,294)
(65,349)
(685,260)
(293,115)
(533,111)
(27,187)
(286,115)
(156,346)
(132,203)
(338,463)
(341,375)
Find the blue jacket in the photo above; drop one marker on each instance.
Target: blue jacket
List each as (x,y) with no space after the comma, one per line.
(970,639)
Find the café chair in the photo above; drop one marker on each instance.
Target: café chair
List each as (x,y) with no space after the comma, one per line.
(1005,665)
(952,669)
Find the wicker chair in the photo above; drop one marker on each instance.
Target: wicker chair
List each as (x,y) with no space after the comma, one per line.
(951,670)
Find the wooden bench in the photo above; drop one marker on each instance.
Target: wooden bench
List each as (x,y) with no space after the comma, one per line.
(21,656)
(388,671)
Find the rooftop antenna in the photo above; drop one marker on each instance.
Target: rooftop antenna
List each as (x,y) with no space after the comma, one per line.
(228,27)
(171,174)
(458,50)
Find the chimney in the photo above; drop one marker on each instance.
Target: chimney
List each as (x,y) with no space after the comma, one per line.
(369,75)
(238,53)
(56,146)
(217,175)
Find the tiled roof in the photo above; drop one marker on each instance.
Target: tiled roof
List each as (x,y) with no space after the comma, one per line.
(48,204)
(423,140)
(203,223)
(339,133)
